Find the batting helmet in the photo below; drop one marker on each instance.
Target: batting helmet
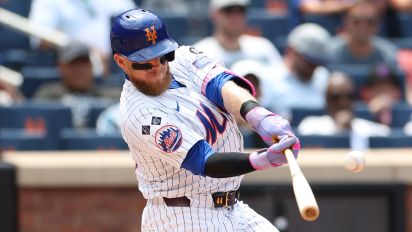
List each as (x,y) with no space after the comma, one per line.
(140,36)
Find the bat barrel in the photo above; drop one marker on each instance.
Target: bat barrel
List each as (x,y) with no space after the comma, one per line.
(305,199)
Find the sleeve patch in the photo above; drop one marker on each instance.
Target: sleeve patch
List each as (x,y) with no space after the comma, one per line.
(156,120)
(145,130)
(168,138)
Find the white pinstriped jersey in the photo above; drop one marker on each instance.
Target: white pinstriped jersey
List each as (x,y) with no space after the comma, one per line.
(160,130)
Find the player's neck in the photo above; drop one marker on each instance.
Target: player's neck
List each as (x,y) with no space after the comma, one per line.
(229,43)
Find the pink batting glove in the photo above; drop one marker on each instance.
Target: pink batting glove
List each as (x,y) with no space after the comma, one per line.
(273,156)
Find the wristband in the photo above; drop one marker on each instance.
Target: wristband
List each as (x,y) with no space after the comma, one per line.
(247,106)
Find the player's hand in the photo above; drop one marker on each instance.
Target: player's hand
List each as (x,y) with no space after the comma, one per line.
(269,125)
(274,155)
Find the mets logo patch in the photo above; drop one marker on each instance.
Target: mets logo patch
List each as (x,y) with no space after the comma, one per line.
(169,138)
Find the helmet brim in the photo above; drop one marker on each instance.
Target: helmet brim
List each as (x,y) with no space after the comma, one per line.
(156,50)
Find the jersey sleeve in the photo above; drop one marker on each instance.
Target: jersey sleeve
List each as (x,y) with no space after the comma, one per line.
(198,70)
(161,134)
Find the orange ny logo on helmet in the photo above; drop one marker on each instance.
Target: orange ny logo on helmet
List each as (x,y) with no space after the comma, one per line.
(151,34)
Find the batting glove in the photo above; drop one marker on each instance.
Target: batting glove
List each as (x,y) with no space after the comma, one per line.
(270,125)
(273,156)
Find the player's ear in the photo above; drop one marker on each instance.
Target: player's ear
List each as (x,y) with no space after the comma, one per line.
(120,61)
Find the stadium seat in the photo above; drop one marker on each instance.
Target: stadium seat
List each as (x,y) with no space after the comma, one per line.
(88,139)
(21,140)
(361,111)
(281,44)
(298,114)
(402,43)
(21,7)
(268,24)
(402,113)
(138,2)
(14,39)
(405,24)
(325,141)
(332,23)
(46,118)
(260,4)
(34,77)
(94,113)
(359,74)
(397,139)
(176,24)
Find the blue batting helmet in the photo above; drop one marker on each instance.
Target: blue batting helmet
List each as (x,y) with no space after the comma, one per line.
(140,35)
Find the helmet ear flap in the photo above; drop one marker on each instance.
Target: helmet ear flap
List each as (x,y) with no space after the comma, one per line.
(170,56)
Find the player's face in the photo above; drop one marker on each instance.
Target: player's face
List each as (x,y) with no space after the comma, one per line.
(151,77)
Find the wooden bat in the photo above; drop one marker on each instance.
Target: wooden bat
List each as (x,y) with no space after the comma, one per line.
(305,199)
(24,25)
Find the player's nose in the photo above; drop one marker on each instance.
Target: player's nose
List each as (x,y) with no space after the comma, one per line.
(156,63)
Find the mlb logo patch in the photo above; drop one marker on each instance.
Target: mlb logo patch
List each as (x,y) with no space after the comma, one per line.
(169,138)
(156,120)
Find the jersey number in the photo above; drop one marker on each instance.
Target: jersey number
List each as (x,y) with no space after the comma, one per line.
(211,124)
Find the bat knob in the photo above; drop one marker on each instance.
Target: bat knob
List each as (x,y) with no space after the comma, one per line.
(311,214)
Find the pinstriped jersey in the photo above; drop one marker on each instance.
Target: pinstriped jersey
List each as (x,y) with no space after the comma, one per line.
(160,130)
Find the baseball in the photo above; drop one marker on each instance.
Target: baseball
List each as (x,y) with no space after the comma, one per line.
(354,161)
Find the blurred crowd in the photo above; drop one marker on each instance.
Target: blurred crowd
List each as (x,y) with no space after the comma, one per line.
(332,67)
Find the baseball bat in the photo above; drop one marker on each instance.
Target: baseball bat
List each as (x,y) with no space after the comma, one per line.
(305,199)
(24,25)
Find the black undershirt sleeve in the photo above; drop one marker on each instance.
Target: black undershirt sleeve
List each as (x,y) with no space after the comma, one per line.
(228,164)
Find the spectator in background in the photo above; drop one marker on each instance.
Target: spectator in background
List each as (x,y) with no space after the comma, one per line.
(340,115)
(10,80)
(359,44)
(9,94)
(86,21)
(229,43)
(405,62)
(405,55)
(174,6)
(301,80)
(77,88)
(407,129)
(381,91)
(402,5)
(299,8)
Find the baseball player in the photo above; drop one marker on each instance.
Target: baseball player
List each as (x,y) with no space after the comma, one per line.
(178,116)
